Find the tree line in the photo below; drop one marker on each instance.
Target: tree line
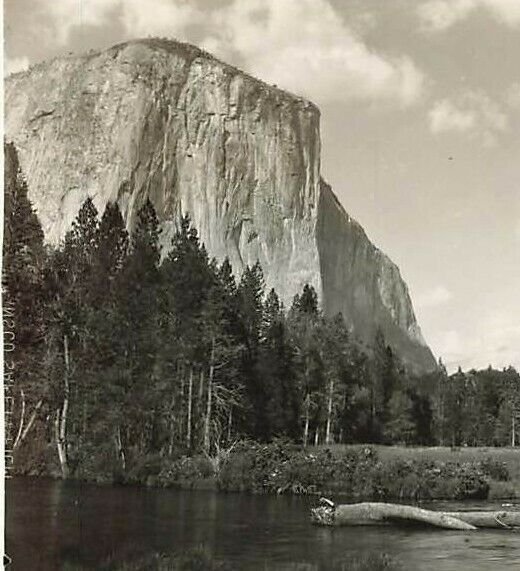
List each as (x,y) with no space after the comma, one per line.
(124,352)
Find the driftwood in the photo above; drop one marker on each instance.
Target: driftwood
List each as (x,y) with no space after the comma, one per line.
(377,513)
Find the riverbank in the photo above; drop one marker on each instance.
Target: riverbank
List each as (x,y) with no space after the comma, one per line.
(502,464)
(367,473)
(358,472)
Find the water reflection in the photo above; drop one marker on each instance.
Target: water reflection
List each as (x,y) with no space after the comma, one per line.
(51,522)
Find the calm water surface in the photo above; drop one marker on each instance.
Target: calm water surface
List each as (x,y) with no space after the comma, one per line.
(50,524)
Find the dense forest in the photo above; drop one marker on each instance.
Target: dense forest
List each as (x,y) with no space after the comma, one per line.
(122,352)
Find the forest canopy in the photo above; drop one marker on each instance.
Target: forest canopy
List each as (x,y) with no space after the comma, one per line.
(123,352)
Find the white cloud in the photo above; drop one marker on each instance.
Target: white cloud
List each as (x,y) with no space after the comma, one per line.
(69,13)
(159,17)
(517,230)
(449,347)
(14,65)
(505,11)
(446,116)
(439,15)
(513,96)
(301,45)
(494,341)
(472,113)
(434,297)
(304,46)
(499,340)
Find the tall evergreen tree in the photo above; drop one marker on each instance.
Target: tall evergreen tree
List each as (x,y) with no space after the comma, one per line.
(102,411)
(250,295)
(277,369)
(304,318)
(340,362)
(187,279)
(400,428)
(23,304)
(422,417)
(385,380)
(224,394)
(138,305)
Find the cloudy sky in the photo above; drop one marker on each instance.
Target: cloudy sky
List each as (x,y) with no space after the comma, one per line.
(420,104)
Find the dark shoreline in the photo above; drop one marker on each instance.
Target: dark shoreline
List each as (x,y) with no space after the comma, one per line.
(360,474)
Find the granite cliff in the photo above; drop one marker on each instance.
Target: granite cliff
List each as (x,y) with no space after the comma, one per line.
(165,120)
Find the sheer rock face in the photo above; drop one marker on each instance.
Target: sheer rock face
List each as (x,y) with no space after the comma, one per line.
(361,282)
(165,120)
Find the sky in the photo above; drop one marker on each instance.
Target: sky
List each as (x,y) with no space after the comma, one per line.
(420,110)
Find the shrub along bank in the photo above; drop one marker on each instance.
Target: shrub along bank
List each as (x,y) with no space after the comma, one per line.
(359,474)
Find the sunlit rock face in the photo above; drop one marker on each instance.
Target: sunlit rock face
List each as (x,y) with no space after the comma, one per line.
(162,120)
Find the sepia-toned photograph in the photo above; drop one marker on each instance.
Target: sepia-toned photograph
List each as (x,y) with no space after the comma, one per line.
(261,285)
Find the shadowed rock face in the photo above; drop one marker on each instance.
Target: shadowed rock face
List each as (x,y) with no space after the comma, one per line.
(363,284)
(165,120)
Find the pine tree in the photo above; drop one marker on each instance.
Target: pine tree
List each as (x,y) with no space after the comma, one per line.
(250,315)
(304,318)
(339,358)
(102,411)
(187,269)
(224,395)
(422,417)
(277,369)
(385,380)
(455,404)
(112,248)
(487,405)
(307,302)
(400,427)
(137,305)
(508,422)
(69,339)
(23,304)
(439,386)
(187,278)
(230,290)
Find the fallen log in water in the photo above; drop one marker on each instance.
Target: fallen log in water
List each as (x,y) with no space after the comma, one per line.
(377,513)
(496,519)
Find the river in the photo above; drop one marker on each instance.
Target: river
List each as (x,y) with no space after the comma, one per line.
(52,524)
